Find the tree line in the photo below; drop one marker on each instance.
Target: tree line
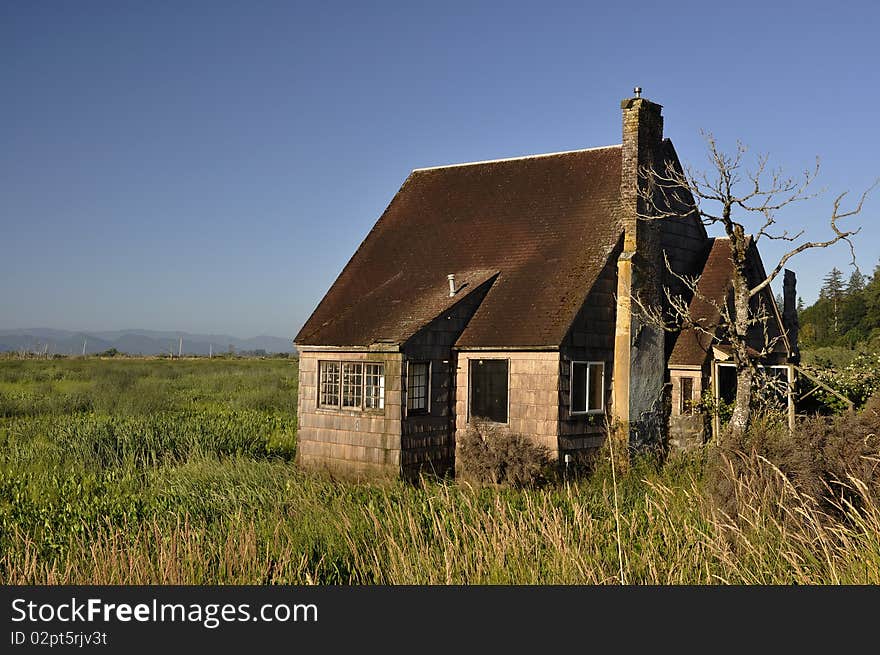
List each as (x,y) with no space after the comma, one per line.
(846,314)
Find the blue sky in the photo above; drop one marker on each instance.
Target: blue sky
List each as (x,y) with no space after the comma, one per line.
(211,167)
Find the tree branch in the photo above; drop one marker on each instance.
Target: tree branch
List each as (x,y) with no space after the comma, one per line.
(839,235)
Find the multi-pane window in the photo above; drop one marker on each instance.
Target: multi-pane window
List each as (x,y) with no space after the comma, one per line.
(488,389)
(417,386)
(329,386)
(587,387)
(374,386)
(351,385)
(686,404)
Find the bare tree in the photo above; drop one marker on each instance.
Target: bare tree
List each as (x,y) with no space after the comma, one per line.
(737,199)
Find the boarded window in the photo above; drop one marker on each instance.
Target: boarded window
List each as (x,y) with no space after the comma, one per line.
(488,389)
(374,386)
(351,385)
(329,384)
(417,387)
(686,404)
(587,387)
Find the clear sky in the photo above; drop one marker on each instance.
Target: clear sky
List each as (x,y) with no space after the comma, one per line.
(211,167)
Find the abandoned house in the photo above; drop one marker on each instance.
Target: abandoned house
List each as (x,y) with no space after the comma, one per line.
(502,291)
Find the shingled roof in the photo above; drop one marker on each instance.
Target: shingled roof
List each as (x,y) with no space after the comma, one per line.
(715,286)
(539,229)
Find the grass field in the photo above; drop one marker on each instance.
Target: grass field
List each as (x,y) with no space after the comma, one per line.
(158,471)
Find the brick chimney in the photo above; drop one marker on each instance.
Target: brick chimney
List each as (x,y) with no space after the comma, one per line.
(642,142)
(639,365)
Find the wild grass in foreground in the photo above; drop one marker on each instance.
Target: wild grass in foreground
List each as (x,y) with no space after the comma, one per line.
(206,492)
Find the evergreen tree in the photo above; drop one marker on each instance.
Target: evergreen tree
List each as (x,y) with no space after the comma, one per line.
(856,283)
(833,290)
(844,315)
(871,295)
(832,285)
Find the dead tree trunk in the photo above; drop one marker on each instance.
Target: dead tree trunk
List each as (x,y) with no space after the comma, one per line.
(732,191)
(739,421)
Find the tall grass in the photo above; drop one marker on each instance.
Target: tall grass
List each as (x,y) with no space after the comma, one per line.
(443,533)
(205,491)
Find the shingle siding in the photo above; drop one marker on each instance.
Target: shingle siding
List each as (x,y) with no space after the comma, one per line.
(533,389)
(547,252)
(428,442)
(358,442)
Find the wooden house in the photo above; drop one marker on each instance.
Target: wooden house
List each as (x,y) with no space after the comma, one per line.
(502,290)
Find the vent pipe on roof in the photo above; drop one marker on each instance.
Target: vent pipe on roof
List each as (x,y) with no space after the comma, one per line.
(451,278)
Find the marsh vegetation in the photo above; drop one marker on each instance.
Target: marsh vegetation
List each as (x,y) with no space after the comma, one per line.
(151,471)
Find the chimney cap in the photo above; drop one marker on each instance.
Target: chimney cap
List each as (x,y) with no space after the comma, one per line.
(638,91)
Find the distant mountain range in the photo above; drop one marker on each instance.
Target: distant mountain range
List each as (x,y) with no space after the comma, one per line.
(135,342)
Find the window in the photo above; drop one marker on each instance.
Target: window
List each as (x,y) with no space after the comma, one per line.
(374,386)
(726,383)
(770,384)
(417,387)
(351,385)
(488,389)
(329,384)
(587,387)
(686,402)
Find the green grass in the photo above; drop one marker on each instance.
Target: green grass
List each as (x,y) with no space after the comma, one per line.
(151,471)
(143,386)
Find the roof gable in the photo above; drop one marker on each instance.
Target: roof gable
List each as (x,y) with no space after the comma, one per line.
(692,346)
(545,225)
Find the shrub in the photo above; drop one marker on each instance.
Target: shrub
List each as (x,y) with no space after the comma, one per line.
(818,458)
(489,454)
(858,381)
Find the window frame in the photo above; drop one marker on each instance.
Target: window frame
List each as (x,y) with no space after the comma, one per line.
(333,388)
(690,408)
(340,367)
(380,395)
(470,397)
(589,364)
(420,411)
(352,385)
(716,374)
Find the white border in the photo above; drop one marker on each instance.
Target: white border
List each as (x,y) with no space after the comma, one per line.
(427,409)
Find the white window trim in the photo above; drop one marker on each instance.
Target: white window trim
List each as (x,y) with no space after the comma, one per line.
(729,365)
(427,410)
(470,384)
(381,396)
(322,365)
(339,407)
(716,389)
(600,410)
